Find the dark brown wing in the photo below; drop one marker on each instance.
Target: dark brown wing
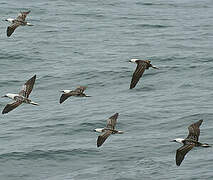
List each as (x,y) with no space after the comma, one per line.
(11,28)
(194,131)
(111,122)
(10,107)
(101,139)
(28,87)
(182,151)
(141,66)
(80,89)
(64,97)
(22,16)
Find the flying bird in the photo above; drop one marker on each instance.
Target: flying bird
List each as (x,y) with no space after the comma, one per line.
(78,92)
(108,130)
(189,142)
(21,97)
(19,21)
(141,66)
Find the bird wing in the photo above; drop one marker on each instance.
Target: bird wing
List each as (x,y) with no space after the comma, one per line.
(11,106)
(28,87)
(111,122)
(80,89)
(101,139)
(194,131)
(141,66)
(182,151)
(11,28)
(64,97)
(22,16)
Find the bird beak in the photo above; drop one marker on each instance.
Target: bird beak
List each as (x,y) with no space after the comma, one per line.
(3,96)
(172,141)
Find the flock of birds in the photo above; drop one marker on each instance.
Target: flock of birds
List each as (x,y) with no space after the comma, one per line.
(192,140)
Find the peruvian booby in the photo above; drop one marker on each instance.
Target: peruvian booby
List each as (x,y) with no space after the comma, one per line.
(19,21)
(108,130)
(78,92)
(21,97)
(141,66)
(189,142)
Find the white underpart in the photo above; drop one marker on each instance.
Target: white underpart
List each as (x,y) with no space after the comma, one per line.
(11,96)
(10,20)
(99,130)
(66,91)
(133,60)
(179,140)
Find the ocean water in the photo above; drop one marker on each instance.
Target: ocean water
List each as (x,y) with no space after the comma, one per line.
(77,42)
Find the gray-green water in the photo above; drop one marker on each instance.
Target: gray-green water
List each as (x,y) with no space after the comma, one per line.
(76,42)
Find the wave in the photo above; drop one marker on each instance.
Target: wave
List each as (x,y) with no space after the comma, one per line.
(153,26)
(48,154)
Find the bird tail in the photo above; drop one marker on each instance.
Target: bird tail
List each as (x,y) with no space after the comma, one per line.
(33,103)
(155,67)
(120,132)
(29,24)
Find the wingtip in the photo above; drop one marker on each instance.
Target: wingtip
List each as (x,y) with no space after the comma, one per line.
(8,34)
(61,101)
(177,164)
(3,112)
(98,145)
(131,86)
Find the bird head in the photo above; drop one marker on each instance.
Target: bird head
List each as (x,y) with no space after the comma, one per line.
(9,20)
(133,60)
(4,96)
(65,91)
(98,130)
(178,140)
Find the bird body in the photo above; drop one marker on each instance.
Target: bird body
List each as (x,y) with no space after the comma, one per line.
(19,21)
(78,92)
(142,65)
(189,142)
(108,130)
(22,97)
